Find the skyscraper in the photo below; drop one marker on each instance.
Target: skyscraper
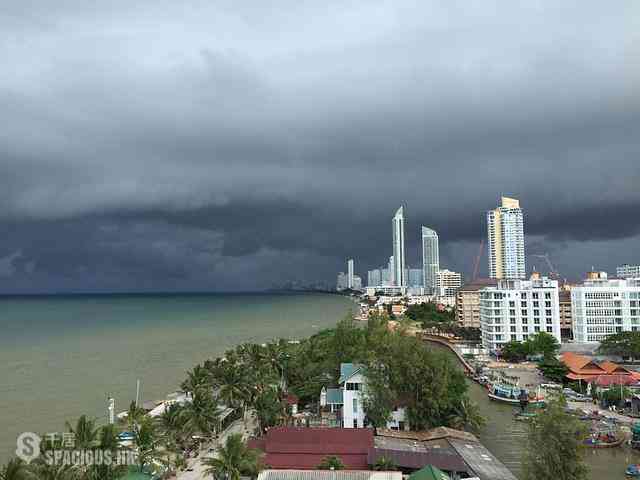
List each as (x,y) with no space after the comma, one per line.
(398,249)
(505,232)
(430,259)
(350,267)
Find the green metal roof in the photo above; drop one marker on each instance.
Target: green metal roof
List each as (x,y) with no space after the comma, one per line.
(429,473)
(334,396)
(347,370)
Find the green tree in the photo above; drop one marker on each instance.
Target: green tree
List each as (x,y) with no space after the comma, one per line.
(543,343)
(233,460)
(15,469)
(384,464)
(467,416)
(378,398)
(553,369)
(331,463)
(134,415)
(85,431)
(626,344)
(44,471)
(513,351)
(269,409)
(201,414)
(554,446)
(197,378)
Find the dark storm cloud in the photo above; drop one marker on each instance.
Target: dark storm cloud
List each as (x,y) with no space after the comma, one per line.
(237,144)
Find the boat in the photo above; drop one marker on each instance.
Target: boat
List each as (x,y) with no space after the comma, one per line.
(633,470)
(513,395)
(605,440)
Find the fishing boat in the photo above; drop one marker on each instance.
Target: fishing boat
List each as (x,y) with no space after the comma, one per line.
(513,395)
(633,470)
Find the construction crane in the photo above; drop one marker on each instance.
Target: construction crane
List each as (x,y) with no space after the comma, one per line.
(552,271)
(476,266)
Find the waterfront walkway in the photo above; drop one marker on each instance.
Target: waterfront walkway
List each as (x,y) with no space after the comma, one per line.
(444,341)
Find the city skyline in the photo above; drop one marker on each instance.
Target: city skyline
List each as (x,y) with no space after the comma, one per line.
(253,148)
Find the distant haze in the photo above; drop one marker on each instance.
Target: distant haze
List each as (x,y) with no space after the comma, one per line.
(233,145)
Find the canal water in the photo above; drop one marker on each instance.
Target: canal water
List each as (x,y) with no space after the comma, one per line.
(505,438)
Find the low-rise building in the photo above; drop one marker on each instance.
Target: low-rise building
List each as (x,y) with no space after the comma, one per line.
(601,307)
(515,309)
(347,399)
(468,302)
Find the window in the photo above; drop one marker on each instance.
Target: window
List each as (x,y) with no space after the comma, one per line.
(514,338)
(525,328)
(355,405)
(547,294)
(355,423)
(513,328)
(523,304)
(549,329)
(353,387)
(534,295)
(536,329)
(512,304)
(524,295)
(536,303)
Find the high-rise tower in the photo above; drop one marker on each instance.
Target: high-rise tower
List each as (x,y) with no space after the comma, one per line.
(399,275)
(350,273)
(430,259)
(505,232)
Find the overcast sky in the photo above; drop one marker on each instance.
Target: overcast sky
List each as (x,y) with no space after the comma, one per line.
(233,145)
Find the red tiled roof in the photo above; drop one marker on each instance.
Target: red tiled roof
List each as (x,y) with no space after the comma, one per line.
(305,448)
(611,367)
(581,365)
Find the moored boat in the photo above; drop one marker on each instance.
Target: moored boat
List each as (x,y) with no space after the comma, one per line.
(605,440)
(513,395)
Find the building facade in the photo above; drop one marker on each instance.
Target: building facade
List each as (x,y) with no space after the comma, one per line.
(628,271)
(566,322)
(468,303)
(515,309)
(505,240)
(601,307)
(342,282)
(374,277)
(430,260)
(447,283)
(414,277)
(350,272)
(398,248)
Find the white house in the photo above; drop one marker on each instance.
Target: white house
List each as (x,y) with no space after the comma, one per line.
(347,398)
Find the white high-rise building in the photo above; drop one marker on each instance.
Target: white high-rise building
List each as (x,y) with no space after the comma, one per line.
(430,260)
(350,273)
(398,249)
(505,233)
(628,271)
(601,307)
(515,309)
(374,278)
(447,283)
(341,283)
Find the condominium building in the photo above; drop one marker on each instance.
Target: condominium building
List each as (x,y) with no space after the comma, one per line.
(566,322)
(350,273)
(601,307)
(374,278)
(468,303)
(342,282)
(397,223)
(447,283)
(414,277)
(515,309)
(430,260)
(505,235)
(628,271)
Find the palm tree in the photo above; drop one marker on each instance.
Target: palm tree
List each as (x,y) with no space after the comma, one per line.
(85,431)
(233,386)
(233,460)
(171,426)
(108,437)
(201,414)
(196,379)
(467,416)
(269,409)
(135,414)
(44,471)
(15,469)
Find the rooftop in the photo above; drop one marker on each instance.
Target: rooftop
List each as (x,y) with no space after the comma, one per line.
(328,475)
(347,370)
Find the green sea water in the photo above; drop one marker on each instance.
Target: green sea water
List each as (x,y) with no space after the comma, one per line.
(64,356)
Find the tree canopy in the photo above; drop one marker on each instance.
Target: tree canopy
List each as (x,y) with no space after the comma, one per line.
(626,344)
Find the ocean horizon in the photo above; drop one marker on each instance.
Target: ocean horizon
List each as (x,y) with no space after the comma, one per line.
(63,355)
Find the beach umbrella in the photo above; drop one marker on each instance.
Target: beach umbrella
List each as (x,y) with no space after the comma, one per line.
(429,473)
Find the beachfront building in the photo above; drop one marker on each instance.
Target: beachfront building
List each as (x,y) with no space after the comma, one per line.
(430,260)
(397,223)
(628,271)
(350,273)
(347,398)
(601,307)
(447,283)
(505,235)
(515,309)
(468,302)
(342,282)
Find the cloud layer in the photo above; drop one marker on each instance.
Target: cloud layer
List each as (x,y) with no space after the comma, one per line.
(233,145)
